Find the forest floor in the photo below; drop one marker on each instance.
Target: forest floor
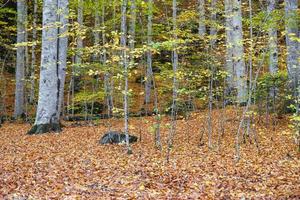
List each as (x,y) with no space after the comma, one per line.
(72,164)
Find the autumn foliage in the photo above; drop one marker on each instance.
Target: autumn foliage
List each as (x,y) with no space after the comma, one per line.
(73,165)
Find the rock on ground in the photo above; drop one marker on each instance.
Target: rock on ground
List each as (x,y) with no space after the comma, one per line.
(114,137)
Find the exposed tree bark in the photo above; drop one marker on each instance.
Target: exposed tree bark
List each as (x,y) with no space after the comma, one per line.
(202,26)
(148,81)
(238,52)
(33,53)
(125,66)
(293,47)
(107,77)
(20,68)
(2,88)
(272,32)
(97,28)
(213,23)
(132,26)
(51,81)
(79,43)
(229,49)
(175,82)
(63,18)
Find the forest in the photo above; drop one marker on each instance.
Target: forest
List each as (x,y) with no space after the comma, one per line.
(149,99)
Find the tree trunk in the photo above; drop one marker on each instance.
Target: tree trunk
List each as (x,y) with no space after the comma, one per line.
(50,88)
(202,27)
(97,28)
(229,49)
(107,75)
(213,22)
(103,58)
(175,82)
(272,32)
(79,43)
(63,15)
(33,56)
(148,81)
(238,52)
(293,47)
(20,68)
(125,66)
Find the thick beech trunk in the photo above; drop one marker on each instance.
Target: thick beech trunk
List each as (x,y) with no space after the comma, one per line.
(52,72)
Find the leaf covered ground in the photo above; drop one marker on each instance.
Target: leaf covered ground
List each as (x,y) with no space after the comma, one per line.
(72,165)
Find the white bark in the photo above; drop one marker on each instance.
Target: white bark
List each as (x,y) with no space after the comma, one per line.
(293,46)
(238,52)
(272,32)
(20,68)
(53,63)
(202,27)
(48,89)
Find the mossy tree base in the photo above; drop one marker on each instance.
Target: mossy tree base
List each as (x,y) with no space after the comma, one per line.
(44,128)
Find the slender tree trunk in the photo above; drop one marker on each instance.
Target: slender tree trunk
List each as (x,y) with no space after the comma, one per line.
(125,66)
(79,42)
(272,32)
(229,50)
(132,26)
(33,56)
(20,68)
(293,46)
(213,22)
(2,89)
(107,82)
(50,88)
(63,18)
(95,86)
(97,27)
(201,27)
(247,132)
(238,52)
(148,82)
(175,82)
